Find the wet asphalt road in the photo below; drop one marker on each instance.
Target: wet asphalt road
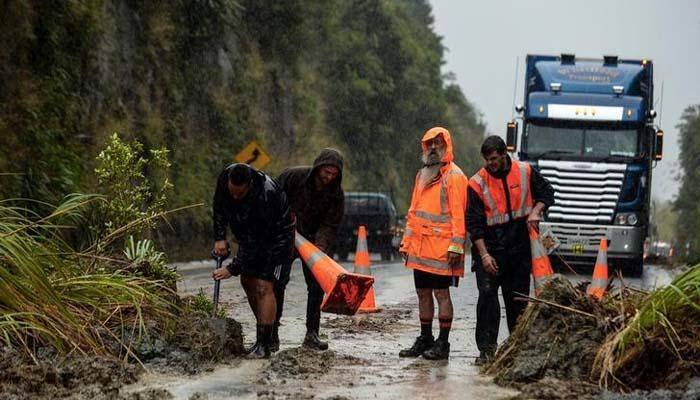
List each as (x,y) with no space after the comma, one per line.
(384,375)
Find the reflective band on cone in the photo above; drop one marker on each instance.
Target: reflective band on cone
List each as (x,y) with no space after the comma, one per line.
(541,267)
(363,267)
(600,273)
(344,291)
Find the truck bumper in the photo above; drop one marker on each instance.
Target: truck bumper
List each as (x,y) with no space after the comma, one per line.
(579,243)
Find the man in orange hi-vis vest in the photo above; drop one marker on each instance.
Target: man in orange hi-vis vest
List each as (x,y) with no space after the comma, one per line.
(504,197)
(433,244)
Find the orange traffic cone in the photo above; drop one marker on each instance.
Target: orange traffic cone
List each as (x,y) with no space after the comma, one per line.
(541,267)
(363,267)
(344,291)
(600,273)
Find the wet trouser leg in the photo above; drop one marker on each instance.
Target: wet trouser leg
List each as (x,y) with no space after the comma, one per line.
(314,300)
(516,279)
(488,310)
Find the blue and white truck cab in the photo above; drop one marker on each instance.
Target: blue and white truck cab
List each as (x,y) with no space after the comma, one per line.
(587,125)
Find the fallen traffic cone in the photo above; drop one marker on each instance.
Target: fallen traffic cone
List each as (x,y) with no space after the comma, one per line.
(600,272)
(541,267)
(363,267)
(344,291)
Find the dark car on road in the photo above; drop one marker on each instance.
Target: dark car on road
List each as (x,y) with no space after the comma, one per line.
(376,211)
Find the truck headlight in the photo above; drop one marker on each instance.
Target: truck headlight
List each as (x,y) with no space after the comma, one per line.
(626,219)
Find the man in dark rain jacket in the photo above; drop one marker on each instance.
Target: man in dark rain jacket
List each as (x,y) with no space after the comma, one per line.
(256,209)
(504,197)
(317,201)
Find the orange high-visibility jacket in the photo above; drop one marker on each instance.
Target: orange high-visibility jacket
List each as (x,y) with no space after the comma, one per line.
(490,191)
(435,220)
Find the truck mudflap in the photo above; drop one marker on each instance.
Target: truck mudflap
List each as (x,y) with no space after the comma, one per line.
(579,242)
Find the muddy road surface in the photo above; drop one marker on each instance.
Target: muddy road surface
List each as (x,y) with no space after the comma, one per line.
(363,361)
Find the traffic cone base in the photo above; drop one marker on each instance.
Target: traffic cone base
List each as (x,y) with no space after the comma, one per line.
(347,294)
(368,305)
(344,291)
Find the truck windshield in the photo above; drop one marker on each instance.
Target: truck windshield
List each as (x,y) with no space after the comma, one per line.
(581,141)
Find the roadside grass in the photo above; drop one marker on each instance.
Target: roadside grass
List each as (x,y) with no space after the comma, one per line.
(52,295)
(661,335)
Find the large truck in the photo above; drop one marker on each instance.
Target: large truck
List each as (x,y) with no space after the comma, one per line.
(588,127)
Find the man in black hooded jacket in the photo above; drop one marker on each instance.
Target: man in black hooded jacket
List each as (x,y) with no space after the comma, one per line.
(256,209)
(317,201)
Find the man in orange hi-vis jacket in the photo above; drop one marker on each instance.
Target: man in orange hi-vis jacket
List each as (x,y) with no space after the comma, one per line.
(504,197)
(433,245)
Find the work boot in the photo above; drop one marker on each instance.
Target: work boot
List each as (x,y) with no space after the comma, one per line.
(313,341)
(483,359)
(439,351)
(275,339)
(421,344)
(261,348)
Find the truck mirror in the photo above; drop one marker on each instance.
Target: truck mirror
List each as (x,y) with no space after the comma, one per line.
(511,135)
(659,145)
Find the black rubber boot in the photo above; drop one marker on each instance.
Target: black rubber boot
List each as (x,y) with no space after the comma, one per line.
(261,348)
(275,339)
(421,344)
(313,323)
(439,351)
(313,341)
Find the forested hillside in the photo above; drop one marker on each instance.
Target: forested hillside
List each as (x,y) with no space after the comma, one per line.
(204,77)
(688,202)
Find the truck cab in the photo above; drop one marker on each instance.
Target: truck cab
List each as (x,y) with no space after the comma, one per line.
(587,126)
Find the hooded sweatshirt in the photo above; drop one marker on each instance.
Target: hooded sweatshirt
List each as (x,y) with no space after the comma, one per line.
(318,212)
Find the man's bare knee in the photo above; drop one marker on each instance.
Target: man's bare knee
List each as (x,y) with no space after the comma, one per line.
(263,288)
(442,295)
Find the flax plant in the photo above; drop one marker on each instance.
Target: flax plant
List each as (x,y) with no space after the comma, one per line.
(667,320)
(47,299)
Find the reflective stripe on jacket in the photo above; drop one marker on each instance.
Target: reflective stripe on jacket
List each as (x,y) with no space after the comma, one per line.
(435,221)
(491,191)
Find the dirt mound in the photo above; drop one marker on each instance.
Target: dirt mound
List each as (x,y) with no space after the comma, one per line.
(691,391)
(196,345)
(302,361)
(552,342)
(567,345)
(95,377)
(555,389)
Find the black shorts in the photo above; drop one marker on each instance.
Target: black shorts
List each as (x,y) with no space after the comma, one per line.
(426,280)
(270,273)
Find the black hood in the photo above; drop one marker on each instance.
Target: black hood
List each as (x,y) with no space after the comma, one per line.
(331,157)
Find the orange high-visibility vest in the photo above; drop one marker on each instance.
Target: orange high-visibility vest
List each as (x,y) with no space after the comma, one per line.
(435,220)
(491,192)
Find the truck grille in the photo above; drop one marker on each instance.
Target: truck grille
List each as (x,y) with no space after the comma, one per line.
(583,191)
(586,235)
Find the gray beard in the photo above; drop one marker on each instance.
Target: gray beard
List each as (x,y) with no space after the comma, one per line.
(427,174)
